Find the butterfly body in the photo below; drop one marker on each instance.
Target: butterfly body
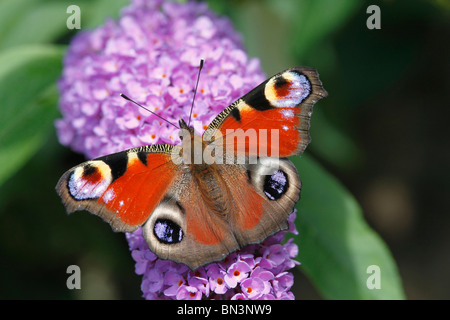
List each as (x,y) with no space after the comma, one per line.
(216,193)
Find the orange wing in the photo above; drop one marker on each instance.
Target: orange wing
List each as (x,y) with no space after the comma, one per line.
(272,119)
(123,188)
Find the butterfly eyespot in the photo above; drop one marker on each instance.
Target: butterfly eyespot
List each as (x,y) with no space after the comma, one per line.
(275,185)
(167,231)
(288,89)
(89,181)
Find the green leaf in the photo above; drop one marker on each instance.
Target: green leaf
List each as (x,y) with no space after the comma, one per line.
(10,12)
(28,93)
(336,246)
(332,143)
(100,10)
(315,20)
(31,22)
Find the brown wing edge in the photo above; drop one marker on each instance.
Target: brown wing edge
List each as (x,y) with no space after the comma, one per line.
(317,93)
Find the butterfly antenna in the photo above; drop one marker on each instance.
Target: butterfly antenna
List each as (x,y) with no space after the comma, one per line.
(195,90)
(131,100)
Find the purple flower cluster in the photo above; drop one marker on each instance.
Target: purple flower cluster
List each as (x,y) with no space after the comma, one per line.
(151,54)
(256,272)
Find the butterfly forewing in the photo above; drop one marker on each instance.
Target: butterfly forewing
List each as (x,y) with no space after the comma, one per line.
(272,119)
(123,188)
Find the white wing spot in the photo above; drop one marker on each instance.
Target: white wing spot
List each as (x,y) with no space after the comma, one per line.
(109,195)
(287,113)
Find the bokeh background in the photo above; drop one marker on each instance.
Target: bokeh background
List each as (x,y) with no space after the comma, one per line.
(382,132)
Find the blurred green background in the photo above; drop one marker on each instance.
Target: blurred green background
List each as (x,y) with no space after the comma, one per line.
(382,132)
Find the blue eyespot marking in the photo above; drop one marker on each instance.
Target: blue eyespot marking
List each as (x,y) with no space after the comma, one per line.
(167,231)
(276,185)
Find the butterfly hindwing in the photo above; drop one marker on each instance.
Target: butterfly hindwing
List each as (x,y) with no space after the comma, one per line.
(198,223)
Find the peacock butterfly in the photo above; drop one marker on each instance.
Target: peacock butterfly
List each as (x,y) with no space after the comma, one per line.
(216,193)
